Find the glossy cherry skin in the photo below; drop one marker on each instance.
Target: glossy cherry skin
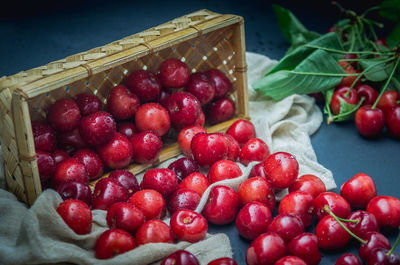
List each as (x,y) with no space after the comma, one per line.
(88,103)
(183,167)
(180,257)
(209,148)
(393,121)
(221,206)
(380,257)
(64,115)
(113,242)
(127,128)
(388,100)
(92,161)
(290,260)
(187,225)
(195,181)
(309,184)
(340,93)
(366,223)
(358,190)
(253,220)
(374,240)
(386,210)
(117,153)
(266,250)
(69,170)
(200,120)
(287,226)
(146,147)
(299,203)
(183,199)
(368,93)
(125,216)
(122,103)
(107,192)
(330,234)
(77,215)
(257,189)
(163,180)
(242,131)
(75,190)
(223,261)
(258,171)
(185,137)
(97,128)
(44,136)
(126,179)
(336,203)
(254,149)
(174,73)
(220,110)
(145,85)
(369,122)
(59,156)
(154,231)
(150,202)
(305,246)
(223,169)
(220,81)
(71,139)
(281,169)
(201,87)
(46,165)
(233,148)
(154,117)
(348,259)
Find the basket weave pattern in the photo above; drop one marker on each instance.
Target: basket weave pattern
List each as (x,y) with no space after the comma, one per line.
(202,40)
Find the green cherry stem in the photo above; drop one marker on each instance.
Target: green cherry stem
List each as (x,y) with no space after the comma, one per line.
(348,220)
(326,209)
(394,246)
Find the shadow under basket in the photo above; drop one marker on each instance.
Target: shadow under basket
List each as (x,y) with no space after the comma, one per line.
(202,40)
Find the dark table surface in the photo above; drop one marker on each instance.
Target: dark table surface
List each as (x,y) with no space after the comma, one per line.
(35,33)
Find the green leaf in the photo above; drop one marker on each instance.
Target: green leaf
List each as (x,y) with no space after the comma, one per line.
(318,72)
(292,28)
(294,58)
(347,111)
(390,9)
(394,37)
(378,71)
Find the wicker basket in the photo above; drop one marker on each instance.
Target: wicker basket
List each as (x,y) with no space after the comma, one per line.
(202,39)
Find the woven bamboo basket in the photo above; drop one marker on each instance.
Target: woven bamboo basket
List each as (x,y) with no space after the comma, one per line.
(202,40)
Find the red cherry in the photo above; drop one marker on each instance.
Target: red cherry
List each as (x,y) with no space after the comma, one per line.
(221,206)
(266,250)
(358,190)
(290,260)
(97,128)
(369,122)
(150,202)
(223,261)
(393,121)
(200,120)
(195,181)
(71,139)
(154,231)
(127,128)
(209,148)
(183,199)
(309,184)
(117,153)
(46,165)
(254,149)
(258,171)
(257,189)
(122,103)
(220,110)
(368,93)
(91,161)
(223,169)
(305,246)
(281,169)
(201,87)
(188,225)
(242,131)
(185,137)
(146,147)
(386,210)
(253,220)
(64,115)
(374,240)
(125,216)
(299,203)
(88,103)
(59,156)
(366,222)
(288,226)
(107,192)
(330,234)
(348,69)
(180,257)
(75,190)
(233,148)
(336,203)
(154,117)
(69,170)
(381,257)
(145,85)
(183,167)
(340,93)
(113,242)
(43,136)
(174,73)
(220,81)
(382,41)
(126,179)
(163,180)
(348,259)
(388,100)
(77,215)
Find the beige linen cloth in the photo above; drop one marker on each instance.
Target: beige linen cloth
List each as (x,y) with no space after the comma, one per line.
(38,235)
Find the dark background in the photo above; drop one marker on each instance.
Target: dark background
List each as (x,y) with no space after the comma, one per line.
(37,32)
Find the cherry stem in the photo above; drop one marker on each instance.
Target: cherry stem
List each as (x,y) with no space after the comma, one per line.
(394,246)
(348,220)
(326,209)
(386,84)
